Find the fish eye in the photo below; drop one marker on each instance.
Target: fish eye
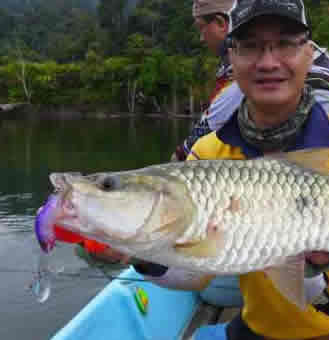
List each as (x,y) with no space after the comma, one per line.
(108,184)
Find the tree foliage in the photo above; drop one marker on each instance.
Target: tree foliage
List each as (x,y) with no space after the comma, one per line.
(132,54)
(318,11)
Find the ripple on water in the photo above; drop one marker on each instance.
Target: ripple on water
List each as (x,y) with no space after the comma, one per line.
(16,213)
(21,196)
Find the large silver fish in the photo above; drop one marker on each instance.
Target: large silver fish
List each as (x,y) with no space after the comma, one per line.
(216,216)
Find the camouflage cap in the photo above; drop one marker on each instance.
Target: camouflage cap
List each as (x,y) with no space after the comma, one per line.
(205,7)
(246,10)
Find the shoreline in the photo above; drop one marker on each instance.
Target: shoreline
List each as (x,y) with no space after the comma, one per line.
(30,111)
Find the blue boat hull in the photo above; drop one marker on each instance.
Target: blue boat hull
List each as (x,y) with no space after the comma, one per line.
(114,315)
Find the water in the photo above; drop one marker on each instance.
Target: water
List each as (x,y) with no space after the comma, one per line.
(30,150)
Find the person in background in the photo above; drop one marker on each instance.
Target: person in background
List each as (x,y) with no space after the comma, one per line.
(212,20)
(271,55)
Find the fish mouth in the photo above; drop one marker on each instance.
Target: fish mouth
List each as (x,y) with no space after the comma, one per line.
(67,217)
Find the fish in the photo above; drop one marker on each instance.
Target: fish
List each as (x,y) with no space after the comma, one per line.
(217,217)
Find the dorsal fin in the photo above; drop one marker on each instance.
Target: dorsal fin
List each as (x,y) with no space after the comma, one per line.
(316,159)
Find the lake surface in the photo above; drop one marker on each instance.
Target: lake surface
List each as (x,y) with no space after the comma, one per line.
(30,150)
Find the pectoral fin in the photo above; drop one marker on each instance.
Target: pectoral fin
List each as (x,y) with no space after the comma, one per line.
(289,280)
(208,247)
(203,248)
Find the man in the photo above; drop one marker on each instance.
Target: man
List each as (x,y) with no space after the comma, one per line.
(212,20)
(178,279)
(227,95)
(271,54)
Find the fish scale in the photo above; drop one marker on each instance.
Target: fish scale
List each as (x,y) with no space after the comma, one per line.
(271,178)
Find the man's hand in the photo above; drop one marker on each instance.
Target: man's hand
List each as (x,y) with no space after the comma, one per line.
(110,254)
(319,258)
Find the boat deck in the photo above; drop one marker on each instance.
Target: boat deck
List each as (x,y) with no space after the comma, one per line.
(209,315)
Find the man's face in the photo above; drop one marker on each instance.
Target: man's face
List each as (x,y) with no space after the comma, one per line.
(270,62)
(212,33)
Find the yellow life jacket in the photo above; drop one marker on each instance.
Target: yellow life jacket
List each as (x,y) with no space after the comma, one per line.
(265,311)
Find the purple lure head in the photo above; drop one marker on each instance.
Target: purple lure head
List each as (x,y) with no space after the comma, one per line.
(44,224)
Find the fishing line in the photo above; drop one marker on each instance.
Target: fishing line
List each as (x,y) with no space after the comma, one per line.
(75,275)
(88,276)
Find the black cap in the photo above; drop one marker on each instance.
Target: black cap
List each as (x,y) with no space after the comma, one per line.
(244,11)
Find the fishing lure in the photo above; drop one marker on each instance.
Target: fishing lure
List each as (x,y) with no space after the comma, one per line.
(48,232)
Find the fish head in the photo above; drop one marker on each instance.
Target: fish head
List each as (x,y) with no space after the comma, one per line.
(124,206)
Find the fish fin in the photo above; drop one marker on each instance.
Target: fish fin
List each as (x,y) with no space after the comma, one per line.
(289,280)
(203,248)
(316,159)
(207,247)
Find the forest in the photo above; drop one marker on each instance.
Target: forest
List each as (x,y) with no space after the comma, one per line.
(129,55)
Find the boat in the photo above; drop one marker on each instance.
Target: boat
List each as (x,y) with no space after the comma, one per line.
(114,314)
(128,309)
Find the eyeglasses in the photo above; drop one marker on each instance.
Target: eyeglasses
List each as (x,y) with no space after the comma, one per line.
(252,49)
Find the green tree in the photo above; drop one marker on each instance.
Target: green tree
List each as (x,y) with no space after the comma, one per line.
(319,14)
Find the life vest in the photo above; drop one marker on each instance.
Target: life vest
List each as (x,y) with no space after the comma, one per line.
(266,311)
